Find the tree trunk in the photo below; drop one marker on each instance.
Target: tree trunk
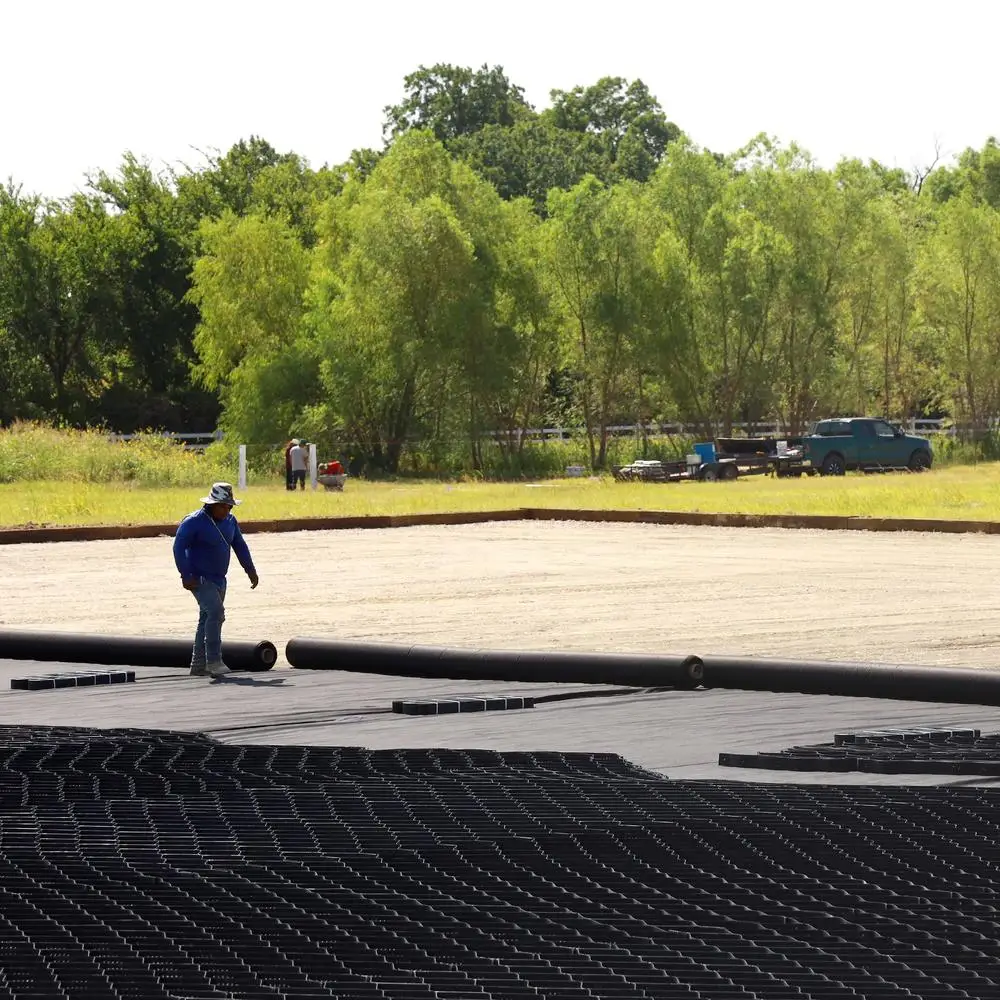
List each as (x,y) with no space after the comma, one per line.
(475,445)
(587,411)
(400,425)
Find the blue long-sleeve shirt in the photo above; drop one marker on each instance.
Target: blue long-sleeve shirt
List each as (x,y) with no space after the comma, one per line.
(202,544)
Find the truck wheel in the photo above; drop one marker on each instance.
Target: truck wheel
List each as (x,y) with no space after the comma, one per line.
(834,465)
(730,471)
(709,473)
(920,461)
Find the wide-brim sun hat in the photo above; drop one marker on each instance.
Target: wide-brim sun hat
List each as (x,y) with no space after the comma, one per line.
(221,493)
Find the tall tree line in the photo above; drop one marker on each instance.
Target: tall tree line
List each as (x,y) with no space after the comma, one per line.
(493,267)
(96,318)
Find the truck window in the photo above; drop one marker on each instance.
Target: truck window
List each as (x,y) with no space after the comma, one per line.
(883,429)
(864,429)
(832,428)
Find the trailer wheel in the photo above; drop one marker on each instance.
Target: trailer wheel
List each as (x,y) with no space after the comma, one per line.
(730,471)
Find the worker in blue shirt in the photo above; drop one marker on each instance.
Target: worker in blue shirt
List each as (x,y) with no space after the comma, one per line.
(201,551)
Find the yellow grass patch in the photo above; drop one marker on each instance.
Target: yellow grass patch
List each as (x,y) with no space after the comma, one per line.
(960,492)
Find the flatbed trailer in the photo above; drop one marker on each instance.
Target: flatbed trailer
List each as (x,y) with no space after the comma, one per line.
(730,459)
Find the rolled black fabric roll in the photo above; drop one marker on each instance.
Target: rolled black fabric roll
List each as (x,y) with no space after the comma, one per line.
(122,650)
(637,670)
(958,685)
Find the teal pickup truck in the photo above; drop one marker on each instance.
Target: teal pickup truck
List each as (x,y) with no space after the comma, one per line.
(863,443)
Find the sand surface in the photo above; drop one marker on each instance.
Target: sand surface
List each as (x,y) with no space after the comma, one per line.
(907,598)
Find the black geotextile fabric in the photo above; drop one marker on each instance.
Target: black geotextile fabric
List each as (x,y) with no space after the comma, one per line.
(153,865)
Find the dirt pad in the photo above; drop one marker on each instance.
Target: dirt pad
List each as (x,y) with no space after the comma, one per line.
(913,598)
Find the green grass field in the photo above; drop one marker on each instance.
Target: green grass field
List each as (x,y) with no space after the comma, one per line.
(50,476)
(959,492)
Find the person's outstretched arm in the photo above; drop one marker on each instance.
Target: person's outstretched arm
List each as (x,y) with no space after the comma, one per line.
(242,551)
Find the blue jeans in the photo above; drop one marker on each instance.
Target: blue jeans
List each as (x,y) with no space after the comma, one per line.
(211,599)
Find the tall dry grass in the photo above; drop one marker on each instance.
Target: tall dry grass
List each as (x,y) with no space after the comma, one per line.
(35,452)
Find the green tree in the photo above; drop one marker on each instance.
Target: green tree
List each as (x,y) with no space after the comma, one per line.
(452,101)
(879,336)
(722,269)
(599,244)
(226,182)
(293,193)
(532,157)
(400,233)
(960,279)
(249,287)
(626,117)
(528,323)
(253,177)
(22,376)
(976,175)
(909,355)
(803,204)
(152,387)
(457,337)
(62,279)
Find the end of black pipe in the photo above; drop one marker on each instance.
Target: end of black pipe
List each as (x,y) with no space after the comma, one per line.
(693,672)
(250,657)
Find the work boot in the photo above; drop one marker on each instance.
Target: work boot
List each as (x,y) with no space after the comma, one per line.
(198,670)
(218,669)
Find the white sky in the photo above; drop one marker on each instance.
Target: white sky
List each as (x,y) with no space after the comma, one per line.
(81,81)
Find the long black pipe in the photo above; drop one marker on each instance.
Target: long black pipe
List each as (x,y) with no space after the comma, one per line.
(123,650)
(635,670)
(957,685)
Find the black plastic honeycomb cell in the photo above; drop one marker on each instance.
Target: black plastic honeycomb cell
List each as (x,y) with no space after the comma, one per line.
(886,751)
(49,682)
(153,864)
(911,737)
(43,683)
(459,705)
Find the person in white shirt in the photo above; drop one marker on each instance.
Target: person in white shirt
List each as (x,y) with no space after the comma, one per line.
(298,457)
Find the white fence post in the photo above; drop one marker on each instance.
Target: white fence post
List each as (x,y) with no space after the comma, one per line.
(243,467)
(313,468)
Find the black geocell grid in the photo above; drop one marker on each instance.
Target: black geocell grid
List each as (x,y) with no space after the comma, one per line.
(75,678)
(141,864)
(886,751)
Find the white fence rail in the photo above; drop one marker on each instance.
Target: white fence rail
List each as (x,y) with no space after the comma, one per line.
(773,430)
(199,441)
(193,442)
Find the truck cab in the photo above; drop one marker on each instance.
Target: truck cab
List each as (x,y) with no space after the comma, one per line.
(844,443)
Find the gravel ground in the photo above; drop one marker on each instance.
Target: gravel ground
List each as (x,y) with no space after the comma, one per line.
(895,597)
